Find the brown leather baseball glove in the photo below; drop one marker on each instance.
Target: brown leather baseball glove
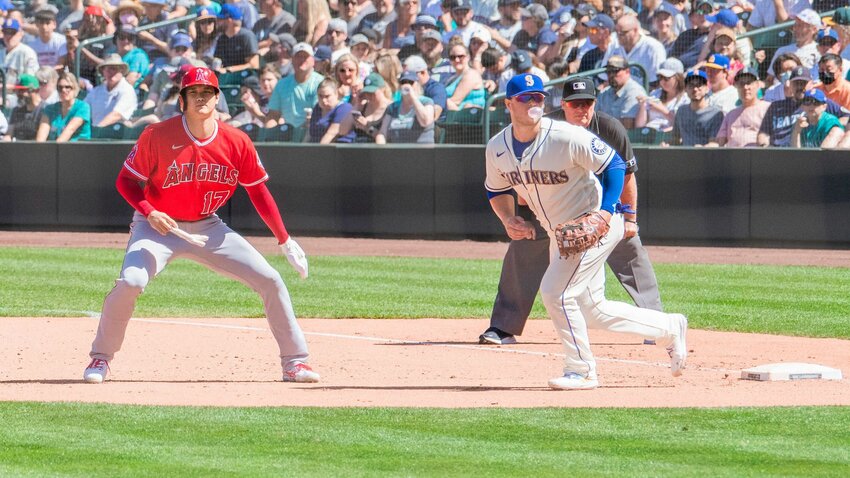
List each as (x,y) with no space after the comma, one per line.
(580,234)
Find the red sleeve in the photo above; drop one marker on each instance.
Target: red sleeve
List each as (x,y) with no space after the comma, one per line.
(128,186)
(265,205)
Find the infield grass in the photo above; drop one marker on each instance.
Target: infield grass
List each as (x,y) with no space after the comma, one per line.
(95,440)
(803,301)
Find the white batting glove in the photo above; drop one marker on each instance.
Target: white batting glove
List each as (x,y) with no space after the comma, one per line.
(295,255)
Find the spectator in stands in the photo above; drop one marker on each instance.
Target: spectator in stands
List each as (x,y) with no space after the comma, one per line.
(69,119)
(638,48)
(740,127)
(688,46)
(312,24)
(829,42)
(494,62)
(47,78)
(508,25)
(480,41)
(249,12)
(370,105)
(297,92)
(430,88)
(620,100)
(409,119)
(70,13)
(179,8)
(269,76)
(658,110)
(520,63)
(832,81)
(361,50)
(389,67)
(615,9)
(337,39)
(465,89)
(664,25)
(431,49)
(206,35)
(279,55)
(534,36)
(214,7)
(48,45)
(23,122)
(322,55)
(275,20)
(127,12)
(95,23)
(462,15)
(360,8)
(841,22)
(255,100)
(16,58)
(135,58)
(114,100)
(770,12)
(816,128)
(400,32)
(328,114)
(155,41)
(697,122)
(346,72)
(384,14)
(236,46)
(723,94)
(422,24)
(600,29)
(805,30)
(581,15)
(783,65)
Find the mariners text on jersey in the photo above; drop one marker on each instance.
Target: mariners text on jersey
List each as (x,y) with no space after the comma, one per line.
(536,177)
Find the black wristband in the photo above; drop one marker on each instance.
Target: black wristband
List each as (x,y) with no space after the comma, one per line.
(631,221)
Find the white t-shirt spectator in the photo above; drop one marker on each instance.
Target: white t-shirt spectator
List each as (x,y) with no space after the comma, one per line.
(808,55)
(465,33)
(648,52)
(52,51)
(122,99)
(764,11)
(658,121)
(725,99)
(20,61)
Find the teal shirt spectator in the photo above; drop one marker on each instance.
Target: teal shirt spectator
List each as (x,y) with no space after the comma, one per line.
(812,136)
(80,109)
(138,62)
(477,97)
(291,98)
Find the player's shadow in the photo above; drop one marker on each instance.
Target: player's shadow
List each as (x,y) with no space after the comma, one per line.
(464,342)
(479,388)
(80,381)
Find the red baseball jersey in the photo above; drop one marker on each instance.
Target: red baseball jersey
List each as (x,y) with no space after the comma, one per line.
(188,178)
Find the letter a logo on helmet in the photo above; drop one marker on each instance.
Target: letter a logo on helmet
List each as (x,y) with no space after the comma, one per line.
(199,76)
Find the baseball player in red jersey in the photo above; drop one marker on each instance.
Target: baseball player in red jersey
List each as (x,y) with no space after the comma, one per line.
(189,166)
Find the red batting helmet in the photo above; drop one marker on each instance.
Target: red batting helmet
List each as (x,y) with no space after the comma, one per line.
(199,75)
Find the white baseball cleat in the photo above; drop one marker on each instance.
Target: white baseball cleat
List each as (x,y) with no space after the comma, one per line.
(300,372)
(574,381)
(678,351)
(96,371)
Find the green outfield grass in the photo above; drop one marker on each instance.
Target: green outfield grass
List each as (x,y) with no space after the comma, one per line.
(96,440)
(804,301)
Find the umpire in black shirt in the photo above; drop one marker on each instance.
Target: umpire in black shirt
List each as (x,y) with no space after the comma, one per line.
(527,260)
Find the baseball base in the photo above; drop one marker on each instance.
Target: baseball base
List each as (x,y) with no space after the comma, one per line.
(791,371)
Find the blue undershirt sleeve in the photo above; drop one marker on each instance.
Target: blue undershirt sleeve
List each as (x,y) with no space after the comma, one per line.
(491,195)
(612,180)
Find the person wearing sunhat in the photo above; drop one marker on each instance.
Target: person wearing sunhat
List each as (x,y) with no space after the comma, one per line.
(740,127)
(816,128)
(621,99)
(114,100)
(206,34)
(409,119)
(127,12)
(23,122)
(723,94)
(697,122)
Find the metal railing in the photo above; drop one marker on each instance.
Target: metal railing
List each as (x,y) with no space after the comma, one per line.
(151,26)
(555,82)
(3,88)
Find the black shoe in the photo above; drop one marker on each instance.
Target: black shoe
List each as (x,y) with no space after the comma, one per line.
(496,337)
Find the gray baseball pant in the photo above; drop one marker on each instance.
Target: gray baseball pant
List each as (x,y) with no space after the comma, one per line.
(527,260)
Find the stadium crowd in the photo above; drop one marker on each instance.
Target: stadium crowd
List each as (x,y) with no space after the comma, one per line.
(396,71)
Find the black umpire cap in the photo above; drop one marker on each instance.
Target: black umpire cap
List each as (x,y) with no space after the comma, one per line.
(581,88)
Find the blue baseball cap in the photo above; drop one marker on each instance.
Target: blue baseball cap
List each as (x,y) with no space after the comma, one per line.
(11,24)
(525,83)
(229,10)
(717,62)
(827,32)
(323,52)
(724,17)
(181,39)
(815,95)
(408,76)
(6,5)
(601,21)
(668,9)
(696,74)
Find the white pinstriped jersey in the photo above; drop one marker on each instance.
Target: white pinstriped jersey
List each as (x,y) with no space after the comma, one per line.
(555,175)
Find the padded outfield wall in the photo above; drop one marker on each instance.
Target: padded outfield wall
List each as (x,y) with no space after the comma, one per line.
(753,197)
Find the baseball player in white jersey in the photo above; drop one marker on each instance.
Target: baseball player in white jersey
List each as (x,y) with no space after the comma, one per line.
(190,166)
(552,166)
